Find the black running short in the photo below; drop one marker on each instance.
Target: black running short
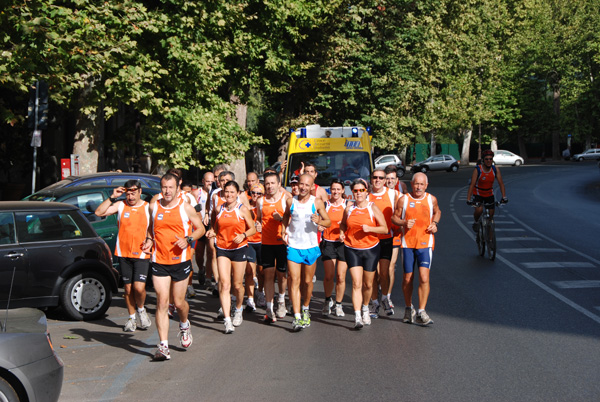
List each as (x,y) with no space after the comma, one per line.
(365,258)
(235,255)
(177,272)
(332,250)
(387,246)
(274,254)
(254,255)
(134,269)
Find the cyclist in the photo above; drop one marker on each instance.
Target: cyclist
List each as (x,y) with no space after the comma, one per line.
(481,189)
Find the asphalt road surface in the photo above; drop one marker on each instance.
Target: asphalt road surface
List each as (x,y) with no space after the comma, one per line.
(525,327)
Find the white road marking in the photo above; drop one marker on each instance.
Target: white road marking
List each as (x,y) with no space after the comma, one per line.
(517,238)
(510,230)
(576,284)
(531,250)
(553,264)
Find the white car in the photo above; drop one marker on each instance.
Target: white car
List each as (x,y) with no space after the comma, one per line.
(590,154)
(385,160)
(502,157)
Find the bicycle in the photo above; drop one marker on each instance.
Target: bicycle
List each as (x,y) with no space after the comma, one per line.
(486,231)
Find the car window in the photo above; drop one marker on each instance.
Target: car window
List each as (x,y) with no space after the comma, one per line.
(7,228)
(154,184)
(437,159)
(119,181)
(386,159)
(46,226)
(87,203)
(101,182)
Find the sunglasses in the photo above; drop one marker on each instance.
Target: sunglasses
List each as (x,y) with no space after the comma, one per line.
(360,190)
(132,190)
(379,177)
(255,193)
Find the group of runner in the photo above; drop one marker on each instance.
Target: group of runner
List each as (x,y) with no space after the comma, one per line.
(264,234)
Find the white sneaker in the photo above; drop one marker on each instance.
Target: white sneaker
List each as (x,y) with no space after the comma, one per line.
(237,318)
(185,337)
(358,322)
(220,314)
(260,300)
(366,317)
(250,306)
(229,328)
(190,292)
(281,310)
(144,320)
(130,325)
(339,310)
(327,305)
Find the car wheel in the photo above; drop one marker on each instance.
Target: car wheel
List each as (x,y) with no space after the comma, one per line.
(580,159)
(86,296)
(400,172)
(454,168)
(423,169)
(518,162)
(7,392)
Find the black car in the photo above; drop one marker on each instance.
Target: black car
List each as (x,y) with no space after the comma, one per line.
(51,256)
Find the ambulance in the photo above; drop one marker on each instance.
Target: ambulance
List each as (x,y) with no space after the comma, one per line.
(342,153)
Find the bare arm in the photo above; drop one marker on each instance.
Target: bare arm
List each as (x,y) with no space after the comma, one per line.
(381,227)
(108,207)
(149,241)
(250,229)
(321,217)
(397,217)
(437,214)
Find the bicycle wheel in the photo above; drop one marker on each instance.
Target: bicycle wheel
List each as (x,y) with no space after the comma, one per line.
(491,240)
(481,238)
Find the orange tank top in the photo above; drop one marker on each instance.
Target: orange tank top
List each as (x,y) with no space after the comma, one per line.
(484,185)
(133,225)
(355,237)
(230,224)
(256,237)
(168,224)
(271,227)
(422,211)
(336,214)
(385,202)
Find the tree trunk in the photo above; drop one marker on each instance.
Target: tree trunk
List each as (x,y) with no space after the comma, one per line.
(464,156)
(494,142)
(89,137)
(522,148)
(238,166)
(556,129)
(432,145)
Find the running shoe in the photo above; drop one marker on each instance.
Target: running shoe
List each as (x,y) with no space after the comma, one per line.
(237,318)
(215,290)
(255,279)
(220,314)
(144,320)
(327,305)
(339,310)
(410,315)
(229,328)
(314,278)
(201,277)
(172,310)
(270,317)
(260,300)
(130,325)
(162,353)
(281,310)
(297,325)
(305,319)
(423,319)
(185,337)
(388,307)
(358,322)
(190,292)
(208,284)
(373,310)
(366,317)
(250,306)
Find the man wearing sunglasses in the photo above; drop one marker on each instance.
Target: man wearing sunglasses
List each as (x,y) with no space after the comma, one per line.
(481,189)
(133,218)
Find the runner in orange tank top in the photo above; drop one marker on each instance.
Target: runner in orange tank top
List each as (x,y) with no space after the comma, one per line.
(169,233)
(385,199)
(332,251)
(233,225)
(361,224)
(418,214)
(254,278)
(133,217)
(270,209)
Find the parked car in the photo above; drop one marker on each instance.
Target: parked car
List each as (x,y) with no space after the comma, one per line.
(30,369)
(51,256)
(106,179)
(590,154)
(502,157)
(87,199)
(381,162)
(437,162)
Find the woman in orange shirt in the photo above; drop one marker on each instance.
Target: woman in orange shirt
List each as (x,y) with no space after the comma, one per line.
(233,226)
(359,228)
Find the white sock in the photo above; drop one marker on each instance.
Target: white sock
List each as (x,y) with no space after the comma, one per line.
(270,306)
(250,300)
(281,297)
(141,310)
(357,313)
(365,307)
(297,316)
(165,343)
(419,311)
(304,308)
(184,325)
(132,316)
(227,319)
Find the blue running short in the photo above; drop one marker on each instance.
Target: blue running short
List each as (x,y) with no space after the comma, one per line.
(423,256)
(308,256)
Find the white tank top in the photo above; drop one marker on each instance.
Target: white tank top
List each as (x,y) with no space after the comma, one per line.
(302,231)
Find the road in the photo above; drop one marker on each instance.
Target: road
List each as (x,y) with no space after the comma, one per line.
(525,327)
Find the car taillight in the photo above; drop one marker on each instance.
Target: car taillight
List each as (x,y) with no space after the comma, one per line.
(58,359)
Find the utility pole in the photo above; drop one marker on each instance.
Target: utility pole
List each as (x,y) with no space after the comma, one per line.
(37,114)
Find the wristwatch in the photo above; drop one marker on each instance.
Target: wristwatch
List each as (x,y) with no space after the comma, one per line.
(189,239)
